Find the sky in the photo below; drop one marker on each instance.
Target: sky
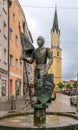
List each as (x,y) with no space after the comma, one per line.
(40,14)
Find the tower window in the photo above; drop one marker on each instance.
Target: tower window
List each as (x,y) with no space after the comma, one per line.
(57,53)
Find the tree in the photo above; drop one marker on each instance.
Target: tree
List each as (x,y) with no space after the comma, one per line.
(60,85)
(68,86)
(75,84)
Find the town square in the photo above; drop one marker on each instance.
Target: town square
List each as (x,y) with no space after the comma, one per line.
(38,65)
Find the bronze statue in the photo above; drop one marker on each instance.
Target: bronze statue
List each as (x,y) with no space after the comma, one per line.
(43,82)
(40,55)
(43,58)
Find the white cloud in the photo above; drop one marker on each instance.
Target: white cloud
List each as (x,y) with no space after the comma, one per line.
(32,23)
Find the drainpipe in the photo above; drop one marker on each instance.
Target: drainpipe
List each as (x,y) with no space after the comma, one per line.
(9,2)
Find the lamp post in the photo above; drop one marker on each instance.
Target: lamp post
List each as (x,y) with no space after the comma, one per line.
(9,2)
(77,95)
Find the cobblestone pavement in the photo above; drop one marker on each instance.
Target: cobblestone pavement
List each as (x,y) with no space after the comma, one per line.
(61,104)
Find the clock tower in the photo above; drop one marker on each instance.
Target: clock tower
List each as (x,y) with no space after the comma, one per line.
(56,67)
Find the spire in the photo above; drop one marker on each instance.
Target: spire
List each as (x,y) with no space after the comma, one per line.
(55,22)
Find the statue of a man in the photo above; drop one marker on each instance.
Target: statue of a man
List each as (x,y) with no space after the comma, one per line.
(43,59)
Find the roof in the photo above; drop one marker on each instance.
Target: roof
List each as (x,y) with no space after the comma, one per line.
(55,22)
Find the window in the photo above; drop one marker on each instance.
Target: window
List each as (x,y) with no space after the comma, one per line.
(3,88)
(57,53)
(16,40)
(16,63)
(11,60)
(20,66)
(18,87)
(5,6)
(11,34)
(5,55)
(14,17)
(5,29)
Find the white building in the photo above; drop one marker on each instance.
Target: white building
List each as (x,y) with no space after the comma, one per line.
(3,48)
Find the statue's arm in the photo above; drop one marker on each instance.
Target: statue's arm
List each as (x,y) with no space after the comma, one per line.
(28,59)
(49,56)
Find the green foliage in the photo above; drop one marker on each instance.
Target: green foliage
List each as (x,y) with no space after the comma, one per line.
(75,84)
(68,86)
(60,85)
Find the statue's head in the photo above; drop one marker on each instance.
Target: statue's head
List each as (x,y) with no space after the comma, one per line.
(40,41)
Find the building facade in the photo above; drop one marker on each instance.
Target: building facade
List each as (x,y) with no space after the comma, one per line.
(17,18)
(3,48)
(56,67)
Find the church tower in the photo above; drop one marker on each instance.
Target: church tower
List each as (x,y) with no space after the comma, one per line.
(56,67)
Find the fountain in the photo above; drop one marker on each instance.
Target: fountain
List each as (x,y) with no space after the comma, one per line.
(44,86)
(25,121)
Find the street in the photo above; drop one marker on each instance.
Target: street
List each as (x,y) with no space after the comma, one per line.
(60,104)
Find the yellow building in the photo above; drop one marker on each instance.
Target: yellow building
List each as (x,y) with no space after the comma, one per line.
(56,67)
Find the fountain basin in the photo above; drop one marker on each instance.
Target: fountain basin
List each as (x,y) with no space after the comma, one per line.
(25,121)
